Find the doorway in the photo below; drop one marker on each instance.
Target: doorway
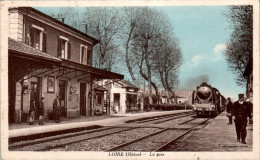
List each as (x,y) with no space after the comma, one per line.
(117,102)
(82,99)
(62,94)
(35,95)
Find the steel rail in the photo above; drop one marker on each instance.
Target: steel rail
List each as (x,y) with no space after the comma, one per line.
(187,121)
(84,139)
(128,143)
(180,116)
(166,116)
(150,135)
(178,137)
(147,119)
(56,137)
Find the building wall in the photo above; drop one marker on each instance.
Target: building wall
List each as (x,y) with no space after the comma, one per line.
(18,100)
(181,100)
(16,26)
(115,89)
(19,29)
(72,99)
(52,35)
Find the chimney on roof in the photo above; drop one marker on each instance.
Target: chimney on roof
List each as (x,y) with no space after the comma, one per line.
(86,27)
(59,17)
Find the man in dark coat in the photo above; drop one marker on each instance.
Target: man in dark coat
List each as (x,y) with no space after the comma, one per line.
(241,111)
(229,110)
(56,109)
(41,111)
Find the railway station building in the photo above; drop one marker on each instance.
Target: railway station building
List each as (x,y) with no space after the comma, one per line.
(122,96)
(47,58)
(184,96)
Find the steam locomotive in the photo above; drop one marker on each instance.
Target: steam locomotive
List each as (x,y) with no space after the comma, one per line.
(207,100)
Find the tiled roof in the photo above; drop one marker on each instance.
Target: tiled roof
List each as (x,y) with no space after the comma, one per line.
(164,94)
(126,84)
(178,93)
(183,93)
(98,87)
(24,49)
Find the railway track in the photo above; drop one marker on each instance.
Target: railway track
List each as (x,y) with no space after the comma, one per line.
(160,119)
(156,141)
(116,138)
(56,141)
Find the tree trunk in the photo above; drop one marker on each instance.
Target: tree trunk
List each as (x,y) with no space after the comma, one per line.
(127,58)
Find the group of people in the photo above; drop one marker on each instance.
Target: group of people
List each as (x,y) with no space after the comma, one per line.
(32,112)
(240,110)
(56,111)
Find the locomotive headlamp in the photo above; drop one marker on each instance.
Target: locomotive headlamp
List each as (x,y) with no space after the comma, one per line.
(212,106)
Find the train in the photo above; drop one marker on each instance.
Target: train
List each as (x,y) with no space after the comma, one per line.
(207,100)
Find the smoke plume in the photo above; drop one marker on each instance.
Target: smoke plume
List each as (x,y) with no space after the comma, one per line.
(193,82)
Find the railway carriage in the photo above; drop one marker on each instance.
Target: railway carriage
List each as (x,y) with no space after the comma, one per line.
(207,100)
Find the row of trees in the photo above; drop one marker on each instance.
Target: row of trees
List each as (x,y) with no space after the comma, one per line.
(240,45)
(138,41)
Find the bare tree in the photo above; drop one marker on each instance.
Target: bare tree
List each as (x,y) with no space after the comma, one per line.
(70,15)
(104,25)
(149,37)
(131,16)
(168,61)
(240,45)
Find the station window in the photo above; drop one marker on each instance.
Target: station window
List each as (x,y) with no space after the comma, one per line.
(38,38)
(64,48)
(85,55)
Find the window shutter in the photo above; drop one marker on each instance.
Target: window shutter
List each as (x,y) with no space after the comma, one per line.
(59,49)
(89,56)
(82,54)
(44,43)
(69,50)
(27,38)
(32,36)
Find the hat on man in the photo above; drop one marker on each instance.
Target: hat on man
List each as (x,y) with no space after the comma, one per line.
(240,95)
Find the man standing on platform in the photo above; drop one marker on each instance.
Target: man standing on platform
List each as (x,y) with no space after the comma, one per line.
(41,111)
(56,109)
(241,111)
(229,110)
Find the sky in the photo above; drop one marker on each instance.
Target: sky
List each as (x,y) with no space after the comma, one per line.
(203,32)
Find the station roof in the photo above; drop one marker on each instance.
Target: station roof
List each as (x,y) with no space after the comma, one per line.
(25,50)
(127,84)
(98,87)
(65,68)
(95,72)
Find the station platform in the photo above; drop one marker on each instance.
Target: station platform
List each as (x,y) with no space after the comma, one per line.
(218,135)
(24,129)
